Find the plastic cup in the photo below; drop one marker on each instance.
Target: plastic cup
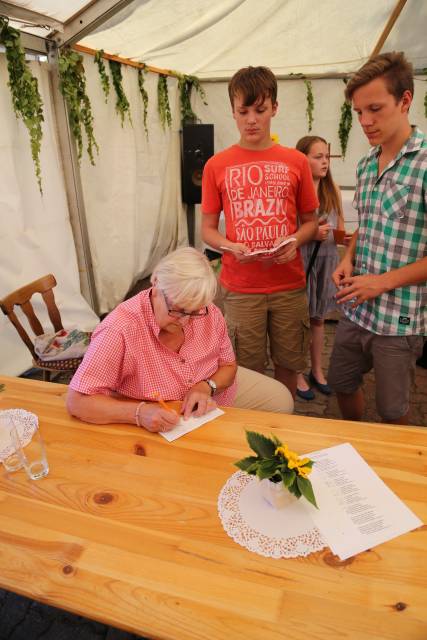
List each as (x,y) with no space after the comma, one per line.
(33,455)
(339,235)
(13,462)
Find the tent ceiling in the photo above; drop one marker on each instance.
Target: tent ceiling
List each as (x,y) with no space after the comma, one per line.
(214,39)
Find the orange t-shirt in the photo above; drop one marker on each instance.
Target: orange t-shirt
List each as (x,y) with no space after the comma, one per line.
(261,193)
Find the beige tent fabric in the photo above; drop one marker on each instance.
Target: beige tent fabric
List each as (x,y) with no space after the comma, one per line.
(296,36)
(35,231)
(133,194)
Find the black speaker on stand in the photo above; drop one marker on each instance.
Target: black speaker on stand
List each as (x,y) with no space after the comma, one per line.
(197,148)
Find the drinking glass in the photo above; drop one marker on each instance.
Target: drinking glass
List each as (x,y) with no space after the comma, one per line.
(13,462)
(33,455)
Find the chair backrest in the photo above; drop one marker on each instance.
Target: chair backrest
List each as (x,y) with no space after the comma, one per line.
(21,297)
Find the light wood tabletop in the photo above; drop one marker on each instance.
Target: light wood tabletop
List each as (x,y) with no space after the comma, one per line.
(125,530)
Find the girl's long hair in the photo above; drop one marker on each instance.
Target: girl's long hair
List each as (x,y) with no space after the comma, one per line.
(329,199)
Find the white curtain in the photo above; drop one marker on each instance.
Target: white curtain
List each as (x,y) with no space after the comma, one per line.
(133,194)
(35,231)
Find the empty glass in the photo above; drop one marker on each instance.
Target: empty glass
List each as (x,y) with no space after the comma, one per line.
(33,455)
(12,462)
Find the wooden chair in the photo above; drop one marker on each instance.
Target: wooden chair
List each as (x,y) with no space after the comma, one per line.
(22,298)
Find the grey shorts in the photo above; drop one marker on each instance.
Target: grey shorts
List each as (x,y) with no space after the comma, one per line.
(356,351)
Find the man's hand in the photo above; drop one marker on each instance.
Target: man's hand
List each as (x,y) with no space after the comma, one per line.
(154,418)
(199,395)
(361,288)
(287,253)
(343,270)
(240,252)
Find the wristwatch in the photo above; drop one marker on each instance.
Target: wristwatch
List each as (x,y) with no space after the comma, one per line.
(212,385)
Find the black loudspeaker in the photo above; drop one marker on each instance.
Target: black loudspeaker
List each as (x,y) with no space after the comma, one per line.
(197,148)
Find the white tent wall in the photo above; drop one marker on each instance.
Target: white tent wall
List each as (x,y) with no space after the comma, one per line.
(132,195)
(290,124)
(35,231)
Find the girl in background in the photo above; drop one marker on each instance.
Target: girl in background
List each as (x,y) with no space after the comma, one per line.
(320,288)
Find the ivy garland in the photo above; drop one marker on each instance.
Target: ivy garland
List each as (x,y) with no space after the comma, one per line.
(105,80)
(141,80)
(122,103)
(185,87)
(345,125)
(310,103)
(163,101)
(73,87)
(26,99)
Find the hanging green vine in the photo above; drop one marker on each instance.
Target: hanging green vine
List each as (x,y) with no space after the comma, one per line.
(185,87)
(144,95)
(105,80)
(73,87)
(345,125)
(26,99)
(346,122)
(163,101)
(310,103)
(122,103)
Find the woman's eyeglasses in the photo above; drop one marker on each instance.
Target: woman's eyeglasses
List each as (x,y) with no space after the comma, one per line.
(178,313)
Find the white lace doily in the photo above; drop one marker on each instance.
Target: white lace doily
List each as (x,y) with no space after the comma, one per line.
(254,524)
(25,423)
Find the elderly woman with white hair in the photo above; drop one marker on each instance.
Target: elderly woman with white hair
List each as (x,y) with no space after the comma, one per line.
(167,342)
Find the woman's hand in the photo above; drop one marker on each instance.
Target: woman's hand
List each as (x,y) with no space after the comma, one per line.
(154,418)
(323,232)
(198,396)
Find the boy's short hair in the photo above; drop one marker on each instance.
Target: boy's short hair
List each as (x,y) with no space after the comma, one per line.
(396,70)
(254,84)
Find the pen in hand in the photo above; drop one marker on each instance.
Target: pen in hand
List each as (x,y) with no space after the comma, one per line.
(161,402)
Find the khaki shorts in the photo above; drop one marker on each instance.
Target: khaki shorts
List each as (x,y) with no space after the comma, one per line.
(282,316)
(356,351)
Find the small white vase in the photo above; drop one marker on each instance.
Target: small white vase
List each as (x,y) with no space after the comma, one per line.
(276,494)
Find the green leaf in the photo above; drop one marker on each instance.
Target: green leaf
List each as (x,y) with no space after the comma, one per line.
(306,489)
(289,478)
(266,469)
(262,445)
(245,463)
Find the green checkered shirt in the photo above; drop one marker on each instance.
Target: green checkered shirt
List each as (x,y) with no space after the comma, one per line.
(392,211)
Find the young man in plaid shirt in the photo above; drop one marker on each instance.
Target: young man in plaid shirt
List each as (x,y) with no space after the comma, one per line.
(382,279)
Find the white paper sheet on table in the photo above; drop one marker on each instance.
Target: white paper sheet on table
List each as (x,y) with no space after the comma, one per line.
(357,511)
(185,426)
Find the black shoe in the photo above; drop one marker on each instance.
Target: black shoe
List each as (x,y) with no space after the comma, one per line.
(308,394)
(323,388)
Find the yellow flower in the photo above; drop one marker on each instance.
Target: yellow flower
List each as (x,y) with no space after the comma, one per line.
(274,138)
(304,471)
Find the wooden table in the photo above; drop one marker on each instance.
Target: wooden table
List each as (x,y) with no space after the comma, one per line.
(125,530)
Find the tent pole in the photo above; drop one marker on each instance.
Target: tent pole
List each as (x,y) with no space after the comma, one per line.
(388,27)
(88,19)
(73,185)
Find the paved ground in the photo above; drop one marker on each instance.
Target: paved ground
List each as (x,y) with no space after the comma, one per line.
(327,407)
(23,619)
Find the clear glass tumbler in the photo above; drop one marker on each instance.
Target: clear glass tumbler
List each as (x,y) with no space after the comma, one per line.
(33,455)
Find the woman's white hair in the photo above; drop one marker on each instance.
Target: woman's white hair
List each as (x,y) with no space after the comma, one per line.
(186,278)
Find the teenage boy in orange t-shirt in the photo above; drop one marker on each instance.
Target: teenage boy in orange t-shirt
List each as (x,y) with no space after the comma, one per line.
(267,194)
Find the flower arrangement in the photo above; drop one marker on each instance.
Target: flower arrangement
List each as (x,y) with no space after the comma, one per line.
(276,462)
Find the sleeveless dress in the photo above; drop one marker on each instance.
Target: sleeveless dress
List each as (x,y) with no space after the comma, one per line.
(320,288)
